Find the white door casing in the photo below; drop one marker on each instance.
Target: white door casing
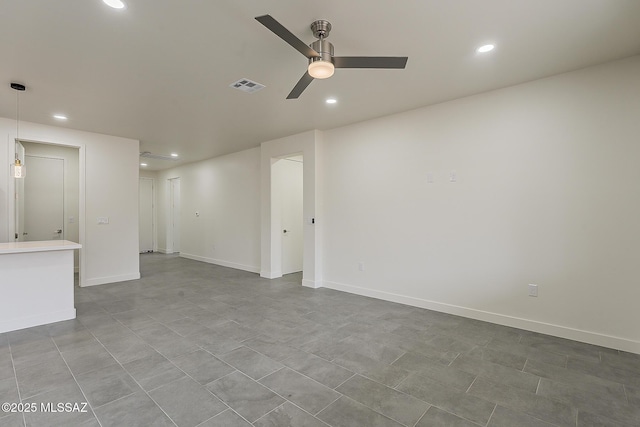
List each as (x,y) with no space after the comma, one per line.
(145,214)
(173,232)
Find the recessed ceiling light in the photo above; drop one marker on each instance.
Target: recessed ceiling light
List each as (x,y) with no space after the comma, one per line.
(486,48)
(60,117)
(174,154)
(331,101)
(116,4)
(143,164)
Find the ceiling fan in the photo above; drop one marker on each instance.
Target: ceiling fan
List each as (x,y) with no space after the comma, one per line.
(320,54)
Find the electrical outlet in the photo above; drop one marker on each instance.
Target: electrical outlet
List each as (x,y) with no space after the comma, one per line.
(533,290)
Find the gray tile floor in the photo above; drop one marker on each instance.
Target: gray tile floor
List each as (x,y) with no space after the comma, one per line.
(193,344)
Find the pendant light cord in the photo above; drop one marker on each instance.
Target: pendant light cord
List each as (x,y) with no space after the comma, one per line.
(17,122)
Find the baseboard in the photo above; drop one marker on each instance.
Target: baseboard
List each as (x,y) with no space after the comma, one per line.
(40,319)
(500,319)
(312,283)
(110,279)
(271,274)
(221,262)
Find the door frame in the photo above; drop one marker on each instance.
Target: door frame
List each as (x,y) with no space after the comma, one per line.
(154,230)
(170,246)
(309,145)
(81,197)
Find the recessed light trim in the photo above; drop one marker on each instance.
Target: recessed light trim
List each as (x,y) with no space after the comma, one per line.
(485,48)
(174,154)
(331,101)
(143,164)
(116,4)
(60,117)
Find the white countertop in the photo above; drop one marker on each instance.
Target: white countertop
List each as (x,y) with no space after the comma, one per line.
(43,246)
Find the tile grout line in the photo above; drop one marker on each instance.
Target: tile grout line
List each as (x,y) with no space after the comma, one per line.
(354,374)
(228,409)
(626,394)
(422,416)
(15,377)
(455,358)
(397,358)
(279,406)
(472,382)
(76,381)
(491,416)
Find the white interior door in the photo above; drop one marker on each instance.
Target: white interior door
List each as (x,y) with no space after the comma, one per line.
(175,213)
(43,199)
(145,214)
(292,221)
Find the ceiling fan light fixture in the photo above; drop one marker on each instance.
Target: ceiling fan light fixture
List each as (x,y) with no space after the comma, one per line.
(321,69)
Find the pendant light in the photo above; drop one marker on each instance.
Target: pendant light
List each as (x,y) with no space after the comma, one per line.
(17,168)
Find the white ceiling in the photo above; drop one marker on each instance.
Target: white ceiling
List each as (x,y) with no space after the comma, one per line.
(159,71)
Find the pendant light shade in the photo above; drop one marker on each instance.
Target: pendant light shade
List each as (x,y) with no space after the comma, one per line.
(17,169)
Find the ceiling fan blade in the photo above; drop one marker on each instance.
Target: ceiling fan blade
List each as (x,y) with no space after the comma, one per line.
(370,61)
(279,30)
(300,86)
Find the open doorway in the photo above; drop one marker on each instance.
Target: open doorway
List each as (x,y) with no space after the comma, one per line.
(146,223)
(287,175)
(174,211)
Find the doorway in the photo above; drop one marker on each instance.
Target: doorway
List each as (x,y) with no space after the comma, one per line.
(145,215)
(47,205)
(287,176)
(173,225)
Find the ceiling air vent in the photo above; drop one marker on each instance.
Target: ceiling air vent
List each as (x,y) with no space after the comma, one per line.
(247,85)
(150,155)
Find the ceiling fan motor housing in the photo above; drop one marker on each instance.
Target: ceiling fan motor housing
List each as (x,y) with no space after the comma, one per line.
(324,48)
(321,29)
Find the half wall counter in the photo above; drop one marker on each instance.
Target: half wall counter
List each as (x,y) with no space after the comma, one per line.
(36,283)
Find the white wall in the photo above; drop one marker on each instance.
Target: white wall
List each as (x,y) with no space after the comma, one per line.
(108,188)
(546,193)
(70,157)
(225,191)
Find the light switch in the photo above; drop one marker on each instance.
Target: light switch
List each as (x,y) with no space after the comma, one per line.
(103,220)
